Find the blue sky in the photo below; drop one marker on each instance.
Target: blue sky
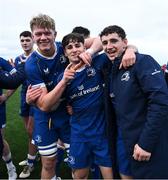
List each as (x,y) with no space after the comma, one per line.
(145,21)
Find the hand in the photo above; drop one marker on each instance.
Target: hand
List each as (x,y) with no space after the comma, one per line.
(33,94)
(86,57)
(69,74)
(140,154)
(69,109)
(11,62)
(128,58)
(3,98)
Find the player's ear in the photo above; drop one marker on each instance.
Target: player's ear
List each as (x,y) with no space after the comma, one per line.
(55,33)
(65,54)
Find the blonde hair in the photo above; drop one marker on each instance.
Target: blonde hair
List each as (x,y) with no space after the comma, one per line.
(43,21)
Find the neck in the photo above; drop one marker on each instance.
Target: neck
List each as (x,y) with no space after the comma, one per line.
(49,53)
(27,53)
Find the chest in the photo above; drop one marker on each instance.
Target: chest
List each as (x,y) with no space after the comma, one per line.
(86,82)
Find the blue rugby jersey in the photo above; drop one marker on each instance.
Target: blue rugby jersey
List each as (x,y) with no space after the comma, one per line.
(85,95)
(18,61)
(44,72)
(5,65)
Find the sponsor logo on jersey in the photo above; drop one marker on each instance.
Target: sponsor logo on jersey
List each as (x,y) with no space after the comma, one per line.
(19,62)
(83,91)
(46,71)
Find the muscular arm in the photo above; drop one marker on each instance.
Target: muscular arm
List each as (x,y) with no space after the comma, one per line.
(48,100)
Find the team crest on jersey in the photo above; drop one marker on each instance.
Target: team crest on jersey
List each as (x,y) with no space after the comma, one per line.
(91,71)
(125,76)
(71,160)
(63,59)
(46,71)
(38,139)
(80,88)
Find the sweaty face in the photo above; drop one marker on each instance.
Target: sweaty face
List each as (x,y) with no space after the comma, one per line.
(45,40)
(72,51)
(26,43)
(113,45)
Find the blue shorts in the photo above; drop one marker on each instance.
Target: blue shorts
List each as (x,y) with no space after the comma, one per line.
(122,158)
(46,132)
(2,115)
(83,154)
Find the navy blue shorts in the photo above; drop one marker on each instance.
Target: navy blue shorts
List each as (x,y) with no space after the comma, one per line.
(83,154)
(46,133)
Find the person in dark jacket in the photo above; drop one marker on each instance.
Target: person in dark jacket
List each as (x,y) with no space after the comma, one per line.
(12,81)
(139,95)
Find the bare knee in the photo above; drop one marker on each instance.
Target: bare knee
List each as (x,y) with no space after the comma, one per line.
(81,173)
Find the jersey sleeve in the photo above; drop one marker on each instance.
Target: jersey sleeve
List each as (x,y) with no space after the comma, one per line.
(5,65)
(12,81)
(100,61)
(33,74)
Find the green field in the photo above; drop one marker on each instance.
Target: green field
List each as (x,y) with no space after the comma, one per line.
(17,139)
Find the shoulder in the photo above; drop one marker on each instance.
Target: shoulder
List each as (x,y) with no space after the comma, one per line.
(145,61)
(100,59)
(145,58)
(2,59)
(59,46)
(17,60)
(32,59)
(31,63)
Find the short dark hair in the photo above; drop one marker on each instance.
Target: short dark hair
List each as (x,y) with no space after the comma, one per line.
(113,29)
(26,34)
(81,30)
(72,37)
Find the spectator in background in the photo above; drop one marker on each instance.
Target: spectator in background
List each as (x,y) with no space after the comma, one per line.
(6,156)
(26,111)
(82,30)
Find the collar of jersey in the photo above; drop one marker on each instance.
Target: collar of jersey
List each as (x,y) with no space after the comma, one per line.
(81,69)
(52,57)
